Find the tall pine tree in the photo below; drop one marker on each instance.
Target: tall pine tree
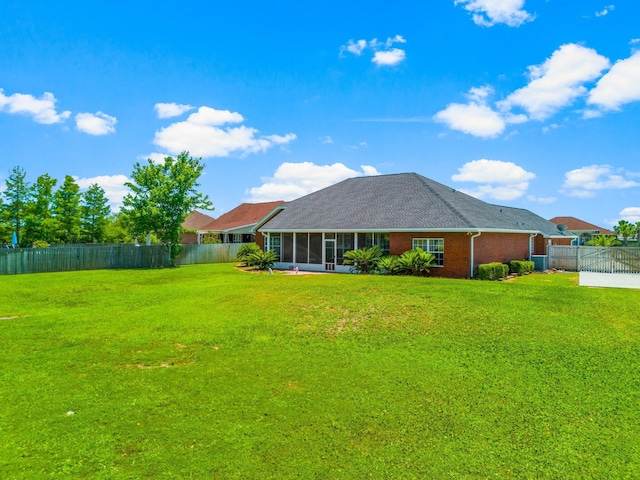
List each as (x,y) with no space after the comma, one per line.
(66,209)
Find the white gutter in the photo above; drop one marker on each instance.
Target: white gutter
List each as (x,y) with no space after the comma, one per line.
(472,252)
(398,230)
(531,237)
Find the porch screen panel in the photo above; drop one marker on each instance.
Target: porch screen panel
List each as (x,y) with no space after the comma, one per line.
(302,248)
(287,247)
(344,243)
(315,248)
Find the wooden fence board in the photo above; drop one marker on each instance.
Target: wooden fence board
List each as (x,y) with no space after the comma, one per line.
(84,257)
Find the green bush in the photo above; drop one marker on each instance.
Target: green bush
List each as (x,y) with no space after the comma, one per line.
(491,271)
(245,251)
(40,244)
(416,262)
(211,241)
(261,260)
(521,267)
(388,265)
(364,260)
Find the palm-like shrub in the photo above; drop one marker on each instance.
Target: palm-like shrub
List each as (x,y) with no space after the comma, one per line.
(364,260)
(245,251)
(262,260)
(416,262)
(603,241)
(389,264)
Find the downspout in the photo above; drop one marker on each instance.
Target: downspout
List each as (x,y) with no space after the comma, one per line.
(531,237)
(473,236)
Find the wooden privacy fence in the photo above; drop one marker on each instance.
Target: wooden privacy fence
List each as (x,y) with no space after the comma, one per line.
(38,260)
(99,256)
(595,259)
(214,253)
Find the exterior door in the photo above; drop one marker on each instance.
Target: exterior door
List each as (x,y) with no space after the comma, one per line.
(329,254)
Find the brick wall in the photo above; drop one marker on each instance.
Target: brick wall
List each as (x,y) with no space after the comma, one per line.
(456,251)
(188,238)
(540,244)
(501,247)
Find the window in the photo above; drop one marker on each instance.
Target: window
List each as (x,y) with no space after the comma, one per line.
(302,247)
(275,245)
(371,239)
(431,245)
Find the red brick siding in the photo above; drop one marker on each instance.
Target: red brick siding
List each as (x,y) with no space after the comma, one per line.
(501,247)
(189,238)
(456,251)
(540,244)
(260,240)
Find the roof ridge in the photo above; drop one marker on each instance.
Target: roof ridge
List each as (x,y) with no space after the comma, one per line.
(423,179)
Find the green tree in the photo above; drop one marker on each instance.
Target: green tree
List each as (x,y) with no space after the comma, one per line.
(66,209)
(18,195)
(625,230)
(603,241)
(161,197)
(39,223)
(94,213)
(637,232)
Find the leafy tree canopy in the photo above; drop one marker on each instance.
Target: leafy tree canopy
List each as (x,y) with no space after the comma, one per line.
(161,197)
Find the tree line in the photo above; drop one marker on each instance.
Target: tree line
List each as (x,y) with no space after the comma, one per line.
(161,196)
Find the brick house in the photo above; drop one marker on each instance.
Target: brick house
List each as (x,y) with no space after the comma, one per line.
(235,226)
(399,212)
(584,231)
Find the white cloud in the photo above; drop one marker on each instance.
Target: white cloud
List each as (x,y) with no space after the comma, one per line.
(96,124)
(475,117)
(113,186)
(389,57)
(211,116)
(500,180)
(487,13)
(557,82)
(618,86)
(633,41)
(541,200)
(584,182)
(42,110)
(605,10)
(326,139)
(155,157)
(354,47)
(383,53)
(294,180)
(203,136)
(168,110)
(630,214)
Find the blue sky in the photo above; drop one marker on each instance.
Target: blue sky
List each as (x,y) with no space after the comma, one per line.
(527,103)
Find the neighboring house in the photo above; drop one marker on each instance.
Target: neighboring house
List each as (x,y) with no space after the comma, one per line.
(584,231)
(237,225)
(397,213)
(194,222)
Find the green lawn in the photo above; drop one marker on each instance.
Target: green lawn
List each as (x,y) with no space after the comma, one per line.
(210,372)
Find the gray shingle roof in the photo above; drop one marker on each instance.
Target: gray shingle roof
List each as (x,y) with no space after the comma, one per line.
(398,202)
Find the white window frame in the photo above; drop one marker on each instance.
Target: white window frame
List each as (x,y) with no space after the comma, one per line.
(434,246)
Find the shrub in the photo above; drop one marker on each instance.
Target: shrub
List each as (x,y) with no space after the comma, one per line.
(521,267)
(416,262)
(40,244)
(491,271)
(262,260)
(389,265)
(211,240)
(364,260)
(245,251)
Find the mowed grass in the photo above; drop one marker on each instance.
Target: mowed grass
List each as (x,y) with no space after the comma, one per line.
(210,372)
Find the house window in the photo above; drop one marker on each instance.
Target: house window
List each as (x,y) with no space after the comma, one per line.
(371,239)
(431,245)
(275,245)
